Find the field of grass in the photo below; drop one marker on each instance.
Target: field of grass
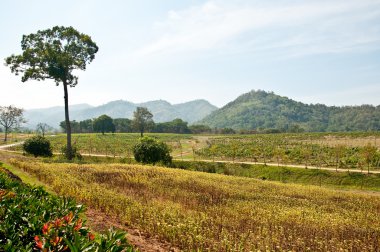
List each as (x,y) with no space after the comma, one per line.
(202,211)
(13,138)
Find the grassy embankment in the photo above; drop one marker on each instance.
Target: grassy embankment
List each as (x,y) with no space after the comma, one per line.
(204,211)
(322,178)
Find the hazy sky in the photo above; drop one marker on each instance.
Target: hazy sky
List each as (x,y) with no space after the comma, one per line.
(312,51)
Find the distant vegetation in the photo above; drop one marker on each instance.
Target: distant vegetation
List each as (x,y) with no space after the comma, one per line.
(125,125)
(260,111)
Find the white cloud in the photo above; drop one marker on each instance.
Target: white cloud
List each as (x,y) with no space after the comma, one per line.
(311,27)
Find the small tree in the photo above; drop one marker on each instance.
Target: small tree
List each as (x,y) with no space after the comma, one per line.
(368,153)
(103,124)
(54,54)
(151,151)
(38,146)
(10,117)
(42,128)
(142,120)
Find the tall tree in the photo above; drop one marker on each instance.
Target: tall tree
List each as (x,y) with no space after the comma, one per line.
(10,117)
(103,124)
(54,54)
(142,120)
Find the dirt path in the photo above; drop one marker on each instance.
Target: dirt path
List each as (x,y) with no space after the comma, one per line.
(99,221)
(3,147)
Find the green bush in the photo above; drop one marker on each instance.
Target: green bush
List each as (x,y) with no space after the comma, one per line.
(152,151)
(38,146)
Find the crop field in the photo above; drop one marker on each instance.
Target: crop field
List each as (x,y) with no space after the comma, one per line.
(201,211)
(335,150)
(111,144)
(119,144)
(340,150)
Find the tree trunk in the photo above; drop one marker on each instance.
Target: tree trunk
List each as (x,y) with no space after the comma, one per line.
(142,133)
(5,134)
(69,154)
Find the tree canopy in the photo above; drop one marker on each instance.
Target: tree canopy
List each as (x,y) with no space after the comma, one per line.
(54,54)
(175,126)
(103,124)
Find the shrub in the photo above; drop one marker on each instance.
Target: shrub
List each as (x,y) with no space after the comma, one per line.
(34,220)
(74,153)
(152,151)
(38,146)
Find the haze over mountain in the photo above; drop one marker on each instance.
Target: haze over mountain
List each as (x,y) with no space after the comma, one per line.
(162,111)
(266,110)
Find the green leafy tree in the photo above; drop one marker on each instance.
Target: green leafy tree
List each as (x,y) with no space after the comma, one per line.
(74,126)
(103,124)
(86,126)
(54,54)
(142,120)
(151,151)
(10,117)
(176,126)
(200,128)
(38,146)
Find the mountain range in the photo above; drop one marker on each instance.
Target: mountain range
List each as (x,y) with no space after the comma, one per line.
(162,111)
(265,110)
(255,110)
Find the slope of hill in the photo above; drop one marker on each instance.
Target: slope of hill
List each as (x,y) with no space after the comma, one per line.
(162,111)
(264,110)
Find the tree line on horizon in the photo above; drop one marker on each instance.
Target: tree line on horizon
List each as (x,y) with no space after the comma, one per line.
(106,124)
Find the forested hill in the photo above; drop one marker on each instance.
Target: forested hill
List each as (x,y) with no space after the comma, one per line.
(265,110)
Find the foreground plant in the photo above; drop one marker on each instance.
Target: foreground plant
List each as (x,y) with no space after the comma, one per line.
(32,219)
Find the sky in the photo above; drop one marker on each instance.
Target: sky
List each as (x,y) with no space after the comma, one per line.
(315,51)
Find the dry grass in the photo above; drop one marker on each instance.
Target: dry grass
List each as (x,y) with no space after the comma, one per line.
(199,211)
